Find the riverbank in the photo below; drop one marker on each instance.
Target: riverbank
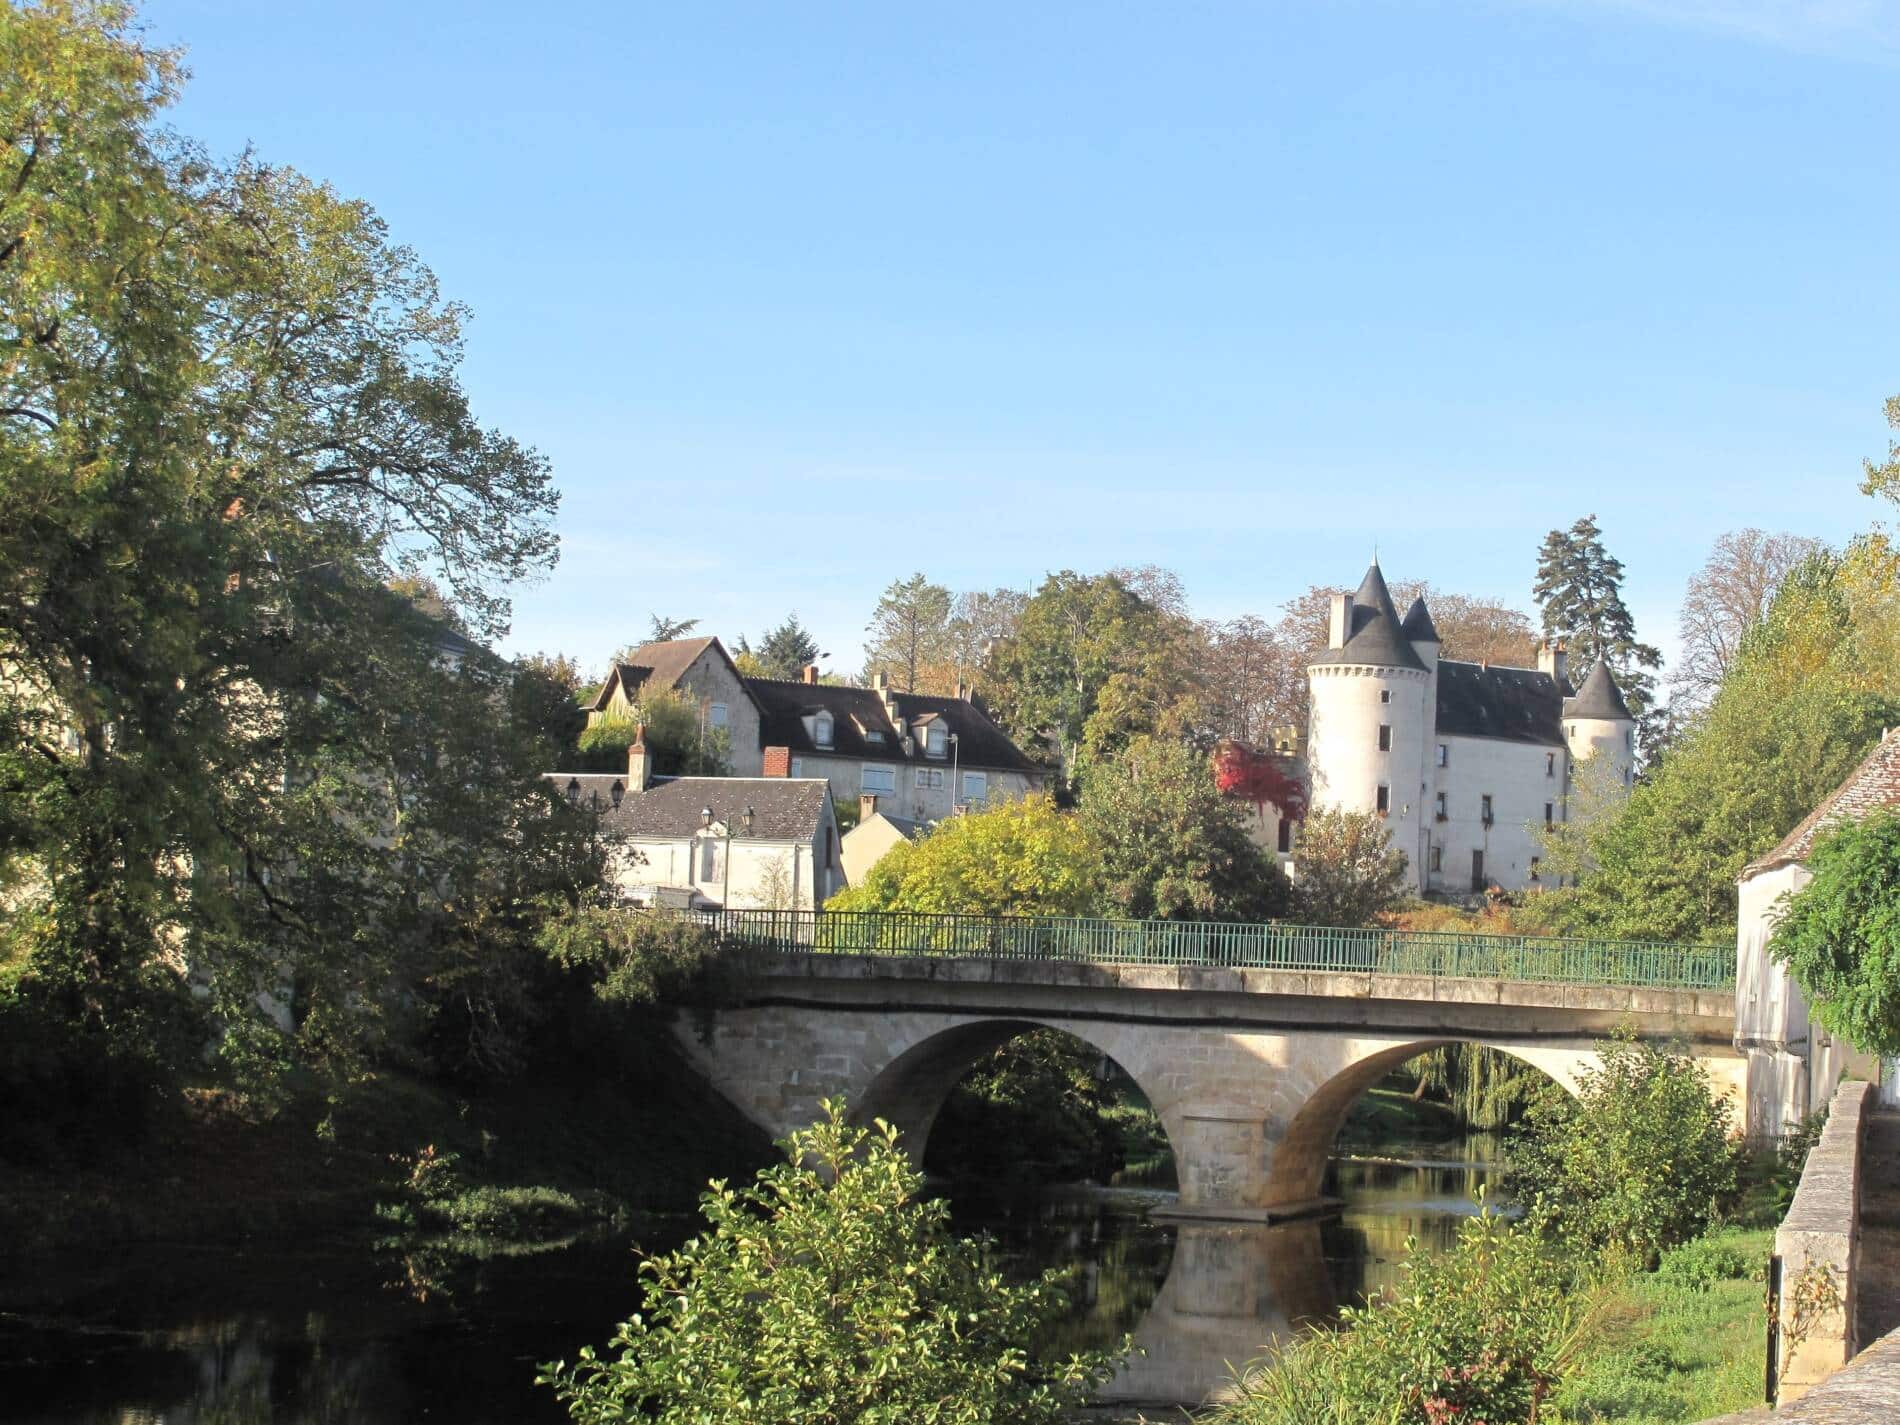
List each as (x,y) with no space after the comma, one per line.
(635,1133)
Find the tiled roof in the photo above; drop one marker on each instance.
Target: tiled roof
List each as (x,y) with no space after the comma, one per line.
(1518,704)
(1599,697)
(1871,787)
(1373,630)
(858,712)
(783,808)
(662,663)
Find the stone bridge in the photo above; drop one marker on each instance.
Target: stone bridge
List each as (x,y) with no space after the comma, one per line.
(1252,1070)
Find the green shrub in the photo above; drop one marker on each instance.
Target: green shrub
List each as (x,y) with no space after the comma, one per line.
(1482,1332)
(1639,1161)
(830,1291)
(1700,1264)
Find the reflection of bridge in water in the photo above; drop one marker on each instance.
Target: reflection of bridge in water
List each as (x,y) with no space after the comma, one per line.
(1250,1041)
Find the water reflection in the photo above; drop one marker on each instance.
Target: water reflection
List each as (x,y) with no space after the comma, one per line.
(200,1338)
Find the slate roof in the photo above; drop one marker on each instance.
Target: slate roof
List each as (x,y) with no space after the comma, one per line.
(783,808)
(783,706)
(1418,626)
(1517,704)
(1373,630)
(1873,786)
(661,663)
(1599,697)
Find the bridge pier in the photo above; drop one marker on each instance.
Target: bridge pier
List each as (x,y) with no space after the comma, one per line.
(1250,1071)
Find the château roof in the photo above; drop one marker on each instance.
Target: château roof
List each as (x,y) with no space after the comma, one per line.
(1418,626)
(1373,635)
(783,808)
(1874,786)
(1483,700)
(1599,697)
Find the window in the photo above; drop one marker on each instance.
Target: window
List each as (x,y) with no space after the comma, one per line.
(1477,870)
(1286,836)
(1444,755)
(1436,861)
(873,778)
(1385,695)
(821,729)
(1550,764)
(930,776)
(1385,737)
(874,736)
(934,740)
(1549,813)
(1438,807)
(798,766)
(976,786)
(1384,801)
(1484,809)
(716,714)
(1535,861)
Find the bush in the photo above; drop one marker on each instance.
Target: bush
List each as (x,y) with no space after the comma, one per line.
(1699,1264)
(1840,936)
(1638,1162)
(1482,1332)
(829,1291)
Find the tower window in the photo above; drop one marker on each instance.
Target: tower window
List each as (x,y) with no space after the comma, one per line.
(1550,764)
(1484,809)
(1286,836)
(1384,800)
(1385,737)
(1438,808)
(1385,695)
(1437,861)
(1444,755)
(1549,809)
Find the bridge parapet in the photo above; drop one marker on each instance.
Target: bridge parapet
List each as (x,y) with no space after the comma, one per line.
(1267,945)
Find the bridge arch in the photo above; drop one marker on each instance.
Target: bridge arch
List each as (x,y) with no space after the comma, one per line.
(1298,1167)
(910,1089)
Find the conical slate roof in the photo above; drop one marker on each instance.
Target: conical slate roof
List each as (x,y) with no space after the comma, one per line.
(1373,637)
(1418,627)
(1599,697)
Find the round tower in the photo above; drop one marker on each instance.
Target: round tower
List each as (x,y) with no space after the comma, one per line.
(1372,719)
(1598,723)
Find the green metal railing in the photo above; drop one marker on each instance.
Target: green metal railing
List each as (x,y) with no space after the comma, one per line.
(1265,946)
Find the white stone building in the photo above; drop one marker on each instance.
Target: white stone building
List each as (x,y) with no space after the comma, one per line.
(744,843)
(1465,760)
(1793,1063)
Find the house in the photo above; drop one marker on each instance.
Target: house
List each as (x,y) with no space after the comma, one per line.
(923,757)
(744,843)
(875,834)
(1793,1063)
(1274,784)
(1464,760)
(700,671)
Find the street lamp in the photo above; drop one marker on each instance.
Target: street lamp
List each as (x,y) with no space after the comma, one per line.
(745,825)
(956,786)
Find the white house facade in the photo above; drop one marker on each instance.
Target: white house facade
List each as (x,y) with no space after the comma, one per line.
(1466,761)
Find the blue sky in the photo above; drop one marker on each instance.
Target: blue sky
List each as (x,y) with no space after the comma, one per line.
(801,298)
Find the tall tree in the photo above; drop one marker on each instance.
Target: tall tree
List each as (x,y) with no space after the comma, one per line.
(910,630)
(1726,598)
(229,418)
(1579,592)
(783,652)
(979,621)
(661,629)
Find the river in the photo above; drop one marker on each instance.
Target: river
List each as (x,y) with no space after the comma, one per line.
(308,1337)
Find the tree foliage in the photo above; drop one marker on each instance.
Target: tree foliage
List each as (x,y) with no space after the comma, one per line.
(1729,596)
(1173,846)
(909,632)
(831,1291)
(783,652)
(1840,935)
(229,419)
(1810,690)
(1637,1162)
(679,738)
(1579,592)
(1035,1110)
(1347,870)
(1015,858)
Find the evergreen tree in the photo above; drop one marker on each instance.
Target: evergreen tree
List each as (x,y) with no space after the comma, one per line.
(1579,591)
(783,652)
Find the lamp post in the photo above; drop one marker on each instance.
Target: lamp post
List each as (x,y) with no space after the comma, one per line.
(956,788)
(745,825)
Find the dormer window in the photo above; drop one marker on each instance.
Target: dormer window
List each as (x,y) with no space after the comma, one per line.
(874,735)
(821,729)
(934,741)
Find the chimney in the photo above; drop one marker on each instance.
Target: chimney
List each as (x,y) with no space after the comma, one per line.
(639,762)
(867,805)
(1338,620)
(880,681)
(808,674)
(778,762)
(1551,658)
(963,691)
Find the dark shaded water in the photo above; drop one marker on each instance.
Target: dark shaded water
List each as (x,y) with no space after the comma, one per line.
(289,1338)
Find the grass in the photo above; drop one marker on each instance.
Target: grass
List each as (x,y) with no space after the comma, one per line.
(1675,1346)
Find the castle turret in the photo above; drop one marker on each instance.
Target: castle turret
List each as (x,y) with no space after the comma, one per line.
(1372,715)
(1598,723)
